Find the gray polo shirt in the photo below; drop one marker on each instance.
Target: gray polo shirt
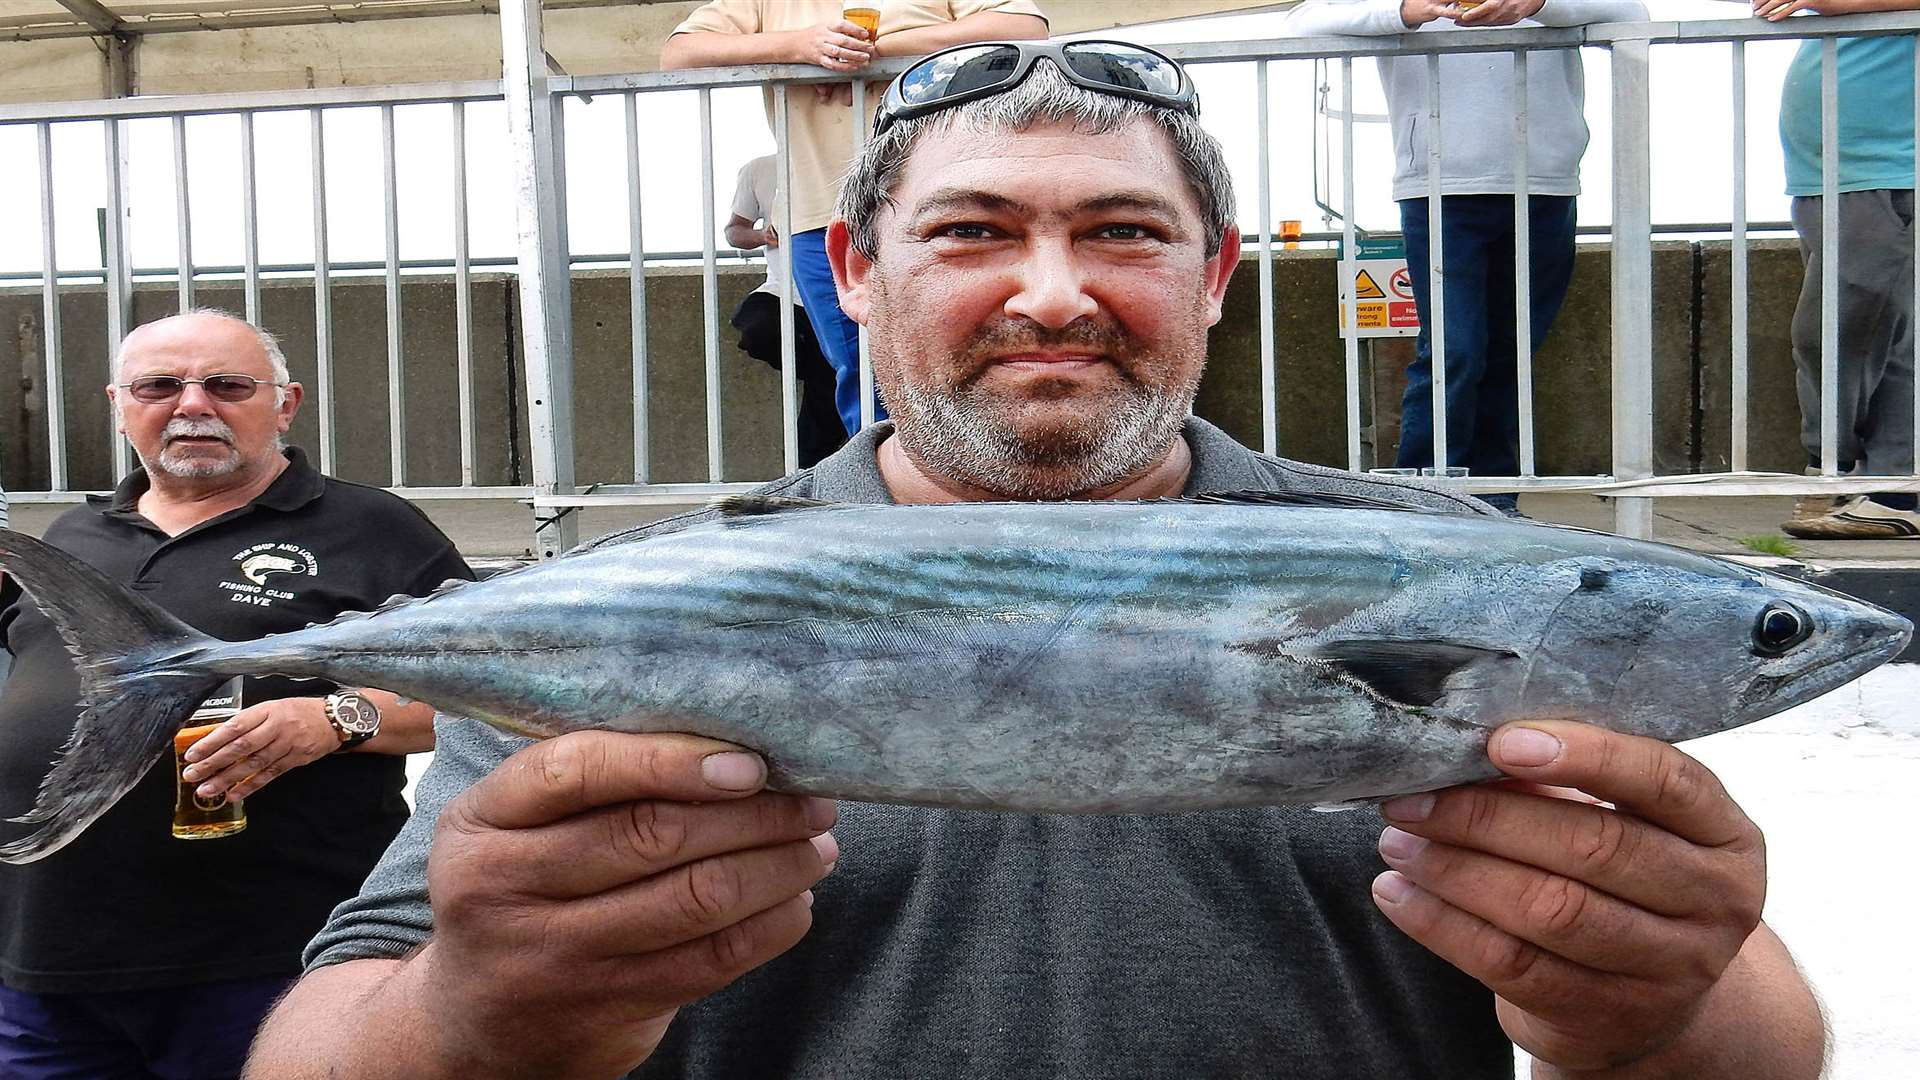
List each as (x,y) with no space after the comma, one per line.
(953,943)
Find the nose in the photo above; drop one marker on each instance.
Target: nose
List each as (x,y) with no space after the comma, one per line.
(193,401)
(1052,286)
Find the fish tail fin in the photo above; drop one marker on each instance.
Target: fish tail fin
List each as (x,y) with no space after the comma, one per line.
(135,688)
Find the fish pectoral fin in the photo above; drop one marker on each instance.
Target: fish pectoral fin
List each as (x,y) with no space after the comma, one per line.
(1413,673)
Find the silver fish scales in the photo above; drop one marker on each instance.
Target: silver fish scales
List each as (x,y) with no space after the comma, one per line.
(1078,657)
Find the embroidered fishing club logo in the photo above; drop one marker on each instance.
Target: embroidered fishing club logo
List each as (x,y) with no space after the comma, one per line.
(269,572)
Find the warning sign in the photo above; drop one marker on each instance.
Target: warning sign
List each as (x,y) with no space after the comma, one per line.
(1388,312)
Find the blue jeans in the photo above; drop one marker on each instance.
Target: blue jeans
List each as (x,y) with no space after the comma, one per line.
(1483,418)
(838,335)
(196,1032)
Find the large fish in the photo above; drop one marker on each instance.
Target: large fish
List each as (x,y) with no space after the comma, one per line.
(1100,656)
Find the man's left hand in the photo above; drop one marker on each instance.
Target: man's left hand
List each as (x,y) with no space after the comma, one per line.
(1601,928)
(260,743)
(1500,13)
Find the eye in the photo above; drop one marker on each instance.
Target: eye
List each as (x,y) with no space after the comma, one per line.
(1780,627)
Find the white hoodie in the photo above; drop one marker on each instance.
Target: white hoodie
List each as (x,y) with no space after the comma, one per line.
(1476,105)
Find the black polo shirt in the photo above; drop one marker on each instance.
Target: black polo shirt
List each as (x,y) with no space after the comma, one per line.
(126,906)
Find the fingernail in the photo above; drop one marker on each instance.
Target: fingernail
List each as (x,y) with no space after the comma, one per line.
(1526,746)
(828,847)
(1409,807)
(732,771)
(807,897)
(822,813)
(190,774)
(1400,846)
(207,791)
(1392,887)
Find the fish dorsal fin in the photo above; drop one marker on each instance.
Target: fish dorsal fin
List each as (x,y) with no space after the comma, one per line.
(733,506)
(1306,498)
(1410,672)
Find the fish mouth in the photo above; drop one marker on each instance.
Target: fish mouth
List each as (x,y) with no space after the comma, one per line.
(1769,694)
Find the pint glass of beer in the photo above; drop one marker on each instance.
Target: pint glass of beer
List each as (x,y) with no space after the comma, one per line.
(863,13)
(194,817)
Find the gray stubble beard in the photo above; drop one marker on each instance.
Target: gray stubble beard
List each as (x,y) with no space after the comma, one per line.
(961,432)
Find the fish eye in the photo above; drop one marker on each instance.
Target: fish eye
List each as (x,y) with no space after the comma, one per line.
(1780,627)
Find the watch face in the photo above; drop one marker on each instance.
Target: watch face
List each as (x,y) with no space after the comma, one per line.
(357,715)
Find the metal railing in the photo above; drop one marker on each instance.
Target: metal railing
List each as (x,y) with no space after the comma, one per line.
(536,122)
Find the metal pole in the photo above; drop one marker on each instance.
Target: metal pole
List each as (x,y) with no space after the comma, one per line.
(1632,282)
(1436,277)
(396,354)
(250,217)
(1522,266)
(1830,258)
(182,215)
(1351,331)
(119,273)
(710,293)
(1269,407)
(545,300)
(782,209)
(463,293)
(1738,450)
(322,291)
(866,351)
(637,297)
(50,317)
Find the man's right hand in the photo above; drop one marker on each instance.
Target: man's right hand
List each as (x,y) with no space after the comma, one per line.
(1418,13)
(596,882)
(837,46)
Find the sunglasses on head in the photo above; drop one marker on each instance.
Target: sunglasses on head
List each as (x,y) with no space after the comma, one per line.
(155,389)
(969,72)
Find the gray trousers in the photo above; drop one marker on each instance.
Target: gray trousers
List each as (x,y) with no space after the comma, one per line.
(1875,359)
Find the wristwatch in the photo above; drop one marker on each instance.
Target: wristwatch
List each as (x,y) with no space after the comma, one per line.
(354,718)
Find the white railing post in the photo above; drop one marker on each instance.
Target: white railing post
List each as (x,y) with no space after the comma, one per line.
(1632,282)
(546,305)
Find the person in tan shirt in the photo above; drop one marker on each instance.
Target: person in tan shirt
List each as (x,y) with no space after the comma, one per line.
(820,122)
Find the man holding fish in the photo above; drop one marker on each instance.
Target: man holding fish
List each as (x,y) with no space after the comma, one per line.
(1038,238)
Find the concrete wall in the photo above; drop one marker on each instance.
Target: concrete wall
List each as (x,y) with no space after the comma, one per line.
(1572,372)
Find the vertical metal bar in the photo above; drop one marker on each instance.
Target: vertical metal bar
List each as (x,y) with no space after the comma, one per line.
(545,294)
(1522,266)
(1632,281)
(637,297)
(1916,277)
(396,371)
(322,291)
(782,209)
(1352,327)
(250,216)
(463,294)
(1269,406)
(50,317)
(710,291)
(866,352)
(1830,258)
(118,272)
(182,215)
(1738,435)
(1436,277)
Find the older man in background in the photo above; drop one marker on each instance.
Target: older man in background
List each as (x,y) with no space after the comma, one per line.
(129,952)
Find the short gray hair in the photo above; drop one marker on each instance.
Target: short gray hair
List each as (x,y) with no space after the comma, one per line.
(276,359)
(1044,97)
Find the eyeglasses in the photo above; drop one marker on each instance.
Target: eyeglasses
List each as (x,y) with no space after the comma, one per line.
(156,389)
(969,72)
